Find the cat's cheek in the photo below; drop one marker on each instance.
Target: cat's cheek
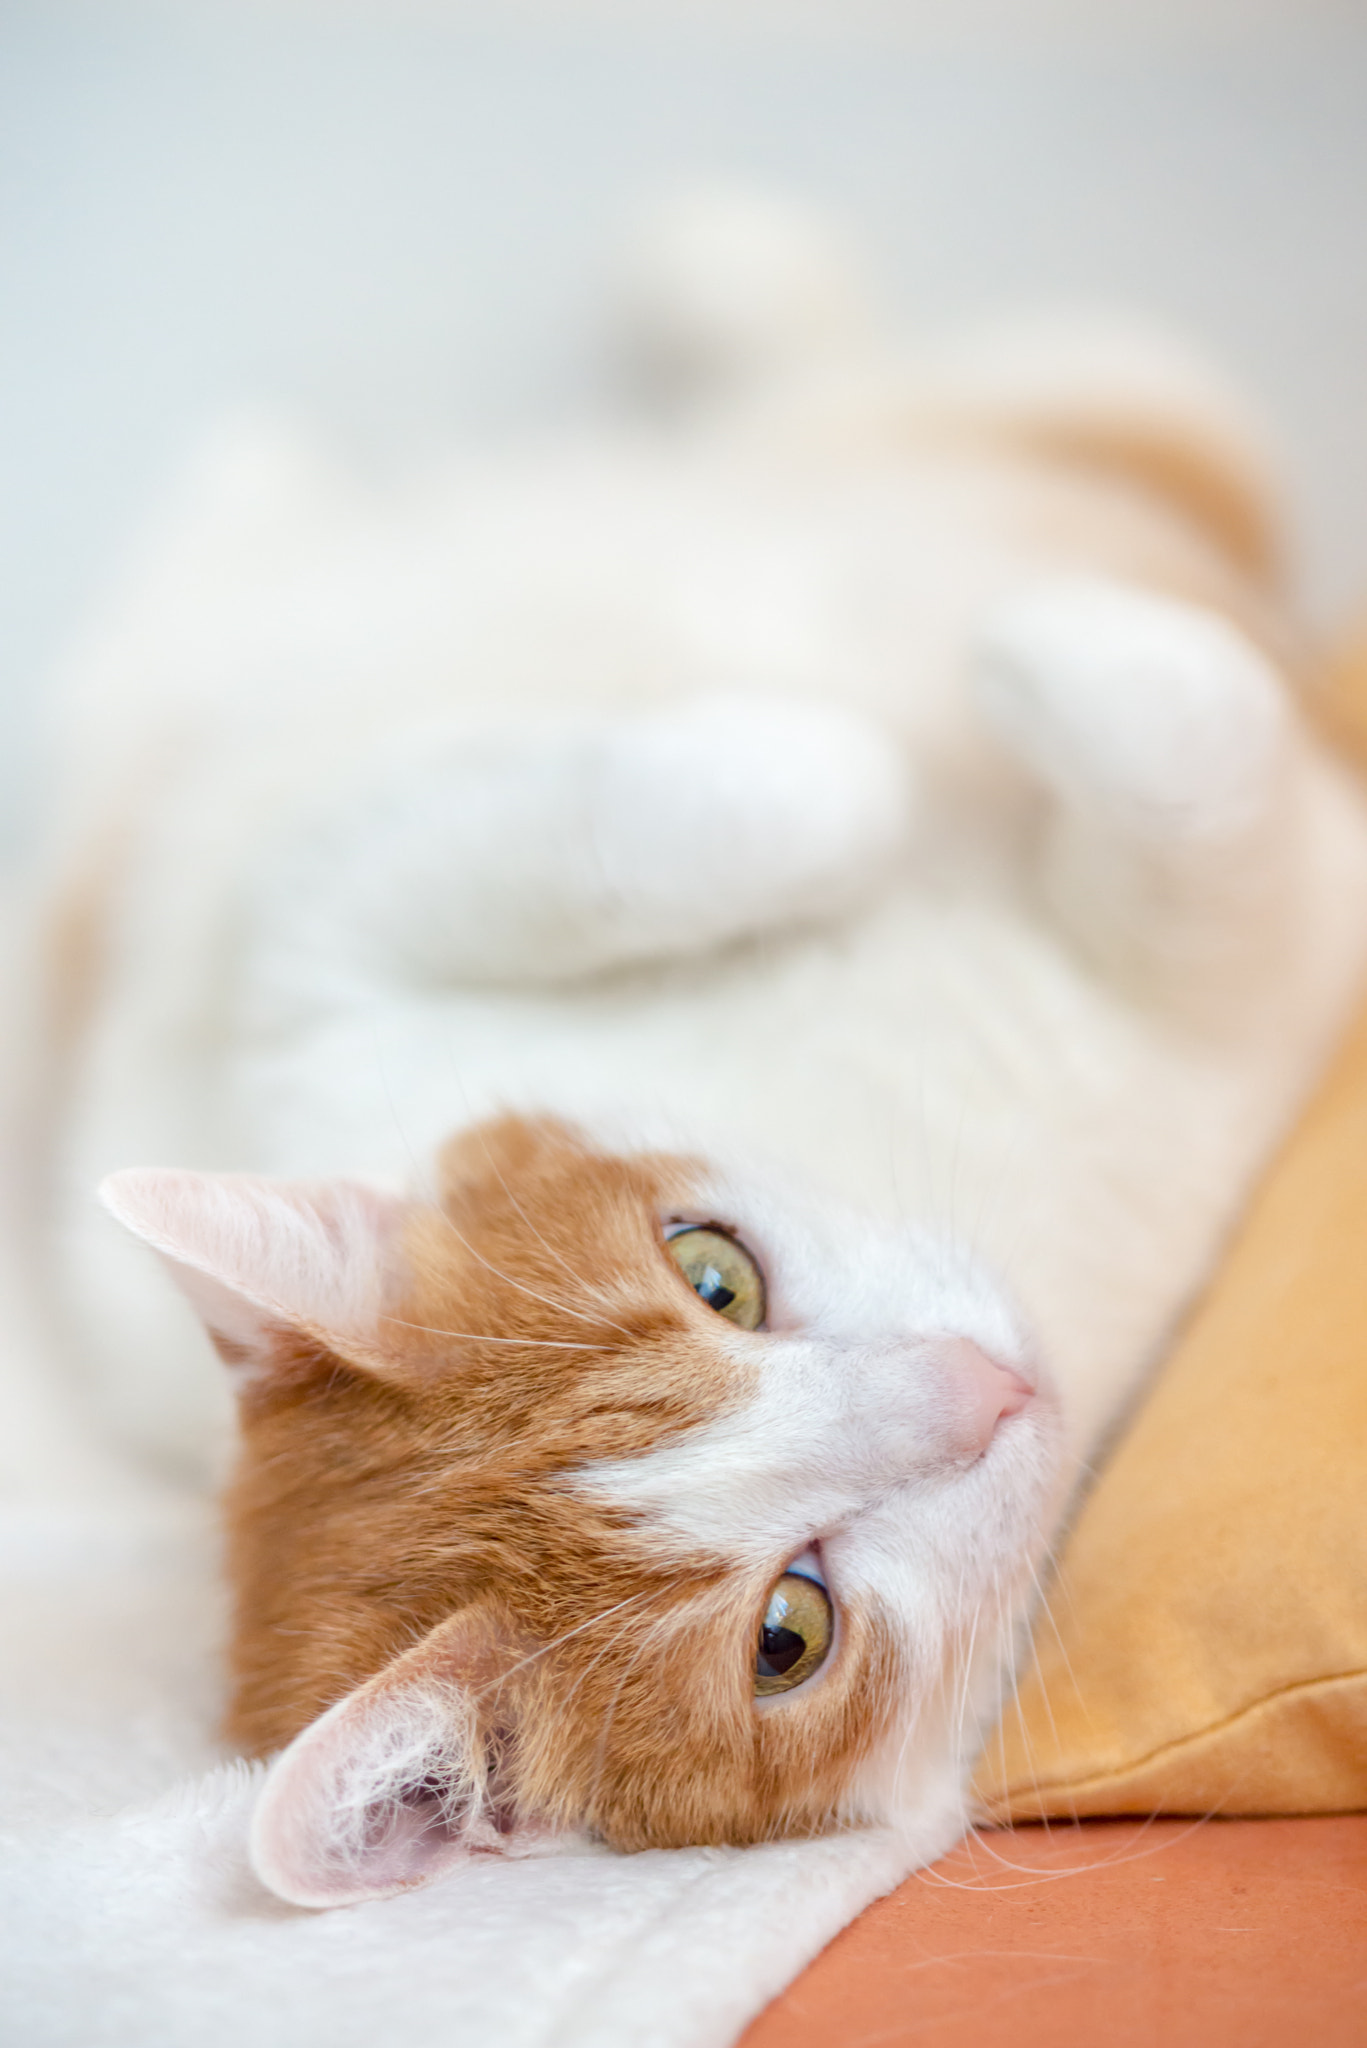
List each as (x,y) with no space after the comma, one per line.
(925,1729)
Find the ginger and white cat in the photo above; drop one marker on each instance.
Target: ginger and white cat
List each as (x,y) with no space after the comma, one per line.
(694,1000)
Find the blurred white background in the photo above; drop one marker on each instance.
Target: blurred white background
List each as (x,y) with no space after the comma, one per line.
(392,217)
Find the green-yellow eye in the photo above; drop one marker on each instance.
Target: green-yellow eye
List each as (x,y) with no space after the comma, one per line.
(720,1272)
(794,1635)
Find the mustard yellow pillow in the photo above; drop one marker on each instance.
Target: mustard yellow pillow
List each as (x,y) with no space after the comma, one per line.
(1208,1647)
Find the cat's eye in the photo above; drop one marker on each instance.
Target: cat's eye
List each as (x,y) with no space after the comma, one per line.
(794,1635)
(720,1272)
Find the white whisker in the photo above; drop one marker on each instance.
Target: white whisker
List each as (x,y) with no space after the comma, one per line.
(475,1337)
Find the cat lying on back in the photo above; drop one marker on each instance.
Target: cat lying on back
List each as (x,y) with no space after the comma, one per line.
(731,972)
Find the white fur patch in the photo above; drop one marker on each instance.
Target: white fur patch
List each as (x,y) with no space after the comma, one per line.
(1158,712)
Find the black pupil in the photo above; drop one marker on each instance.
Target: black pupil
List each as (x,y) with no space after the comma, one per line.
(714,1290)
(779,1650)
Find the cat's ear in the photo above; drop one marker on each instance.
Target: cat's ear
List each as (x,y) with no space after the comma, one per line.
(262,1259)
(399,1780)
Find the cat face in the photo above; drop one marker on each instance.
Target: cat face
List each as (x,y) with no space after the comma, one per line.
(605,1494)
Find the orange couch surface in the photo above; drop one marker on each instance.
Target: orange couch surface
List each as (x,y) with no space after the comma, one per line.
(1111,1934)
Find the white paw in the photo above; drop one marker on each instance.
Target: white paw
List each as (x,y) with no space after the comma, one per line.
(723,281)
(537,854)
(728,815)
(1159,712)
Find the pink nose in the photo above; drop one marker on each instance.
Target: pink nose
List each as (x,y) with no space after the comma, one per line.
(985,1392)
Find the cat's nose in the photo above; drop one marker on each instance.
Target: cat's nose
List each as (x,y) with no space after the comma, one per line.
(983,1392)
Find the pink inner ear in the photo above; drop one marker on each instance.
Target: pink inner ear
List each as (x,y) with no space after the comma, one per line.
(381,1794)
(394,1783)
(253,1255)
(412,1840)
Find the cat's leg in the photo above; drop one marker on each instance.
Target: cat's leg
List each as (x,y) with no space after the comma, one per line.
(1125,398)
(540,853)
(1167,745)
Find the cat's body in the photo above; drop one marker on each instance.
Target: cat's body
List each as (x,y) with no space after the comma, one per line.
(872,821)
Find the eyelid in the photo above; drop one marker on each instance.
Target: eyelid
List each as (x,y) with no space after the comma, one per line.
(807,1565)
(679,1226)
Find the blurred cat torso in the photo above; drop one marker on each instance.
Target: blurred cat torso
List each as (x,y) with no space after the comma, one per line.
(868,828)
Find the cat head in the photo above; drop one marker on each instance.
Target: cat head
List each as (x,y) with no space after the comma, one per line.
(604,1494)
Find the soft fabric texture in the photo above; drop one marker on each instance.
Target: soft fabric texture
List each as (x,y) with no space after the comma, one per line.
(1206,1643)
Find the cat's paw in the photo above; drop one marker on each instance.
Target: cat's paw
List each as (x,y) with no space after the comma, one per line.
(724,283)
(1159,714)
(546,853)
(722,817)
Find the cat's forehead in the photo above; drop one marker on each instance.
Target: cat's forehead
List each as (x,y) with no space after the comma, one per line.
(540,1277)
